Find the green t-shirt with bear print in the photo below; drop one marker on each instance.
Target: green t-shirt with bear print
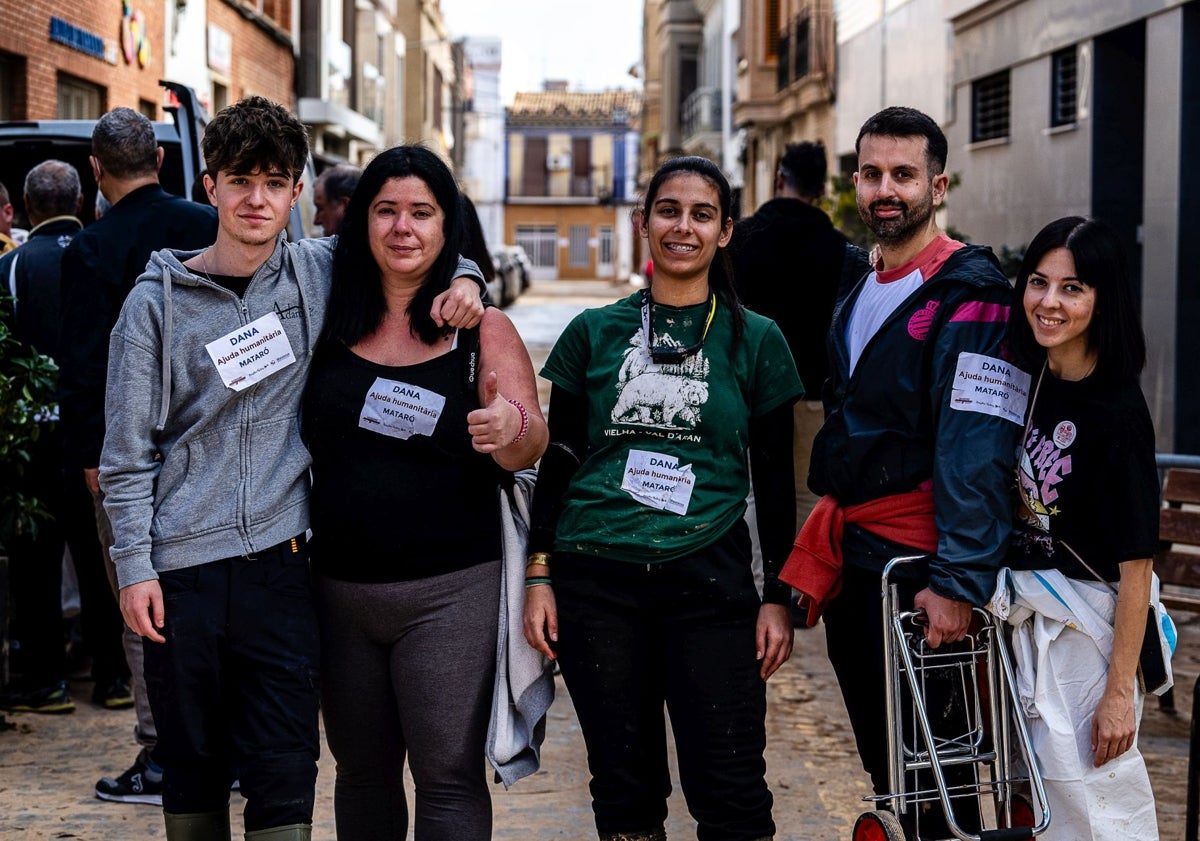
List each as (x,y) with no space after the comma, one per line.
(665,474)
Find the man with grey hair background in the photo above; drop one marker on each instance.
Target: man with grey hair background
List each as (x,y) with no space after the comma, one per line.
(331,194)
(99,269)
(31,276)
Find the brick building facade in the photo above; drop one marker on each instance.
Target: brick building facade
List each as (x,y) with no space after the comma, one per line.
(67,60)
(262,61)
(78,60)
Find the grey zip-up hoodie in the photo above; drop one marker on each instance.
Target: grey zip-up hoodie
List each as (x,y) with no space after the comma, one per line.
(193,471)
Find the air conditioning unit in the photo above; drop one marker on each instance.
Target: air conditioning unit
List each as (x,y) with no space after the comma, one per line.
(558,162)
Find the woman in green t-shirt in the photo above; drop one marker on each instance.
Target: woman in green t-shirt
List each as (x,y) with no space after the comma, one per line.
(649,599)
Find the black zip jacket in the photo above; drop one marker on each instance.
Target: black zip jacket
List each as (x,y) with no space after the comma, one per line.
(99,268)
(37,280)
(890,427)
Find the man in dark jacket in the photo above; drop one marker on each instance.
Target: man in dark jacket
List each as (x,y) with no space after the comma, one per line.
(99,268)
(788,264)
(911,448)
(31,276)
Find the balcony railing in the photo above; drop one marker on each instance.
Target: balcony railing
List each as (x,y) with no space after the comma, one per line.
(701,112)
(581,185)
(805,46)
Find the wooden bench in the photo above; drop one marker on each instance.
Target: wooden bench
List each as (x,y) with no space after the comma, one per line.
(1179,530)
(1179,572)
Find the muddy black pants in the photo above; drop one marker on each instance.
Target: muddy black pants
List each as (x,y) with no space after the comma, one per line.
(635,637)
(234,688)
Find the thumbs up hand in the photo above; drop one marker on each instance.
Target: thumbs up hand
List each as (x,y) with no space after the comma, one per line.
(498,422)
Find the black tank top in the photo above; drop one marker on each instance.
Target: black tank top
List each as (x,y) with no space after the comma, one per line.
(387,507)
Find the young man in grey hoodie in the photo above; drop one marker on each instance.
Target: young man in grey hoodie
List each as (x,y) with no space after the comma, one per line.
(206,484)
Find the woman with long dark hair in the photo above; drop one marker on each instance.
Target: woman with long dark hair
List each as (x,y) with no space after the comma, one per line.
(639,577)
(407,445)
(1080,564)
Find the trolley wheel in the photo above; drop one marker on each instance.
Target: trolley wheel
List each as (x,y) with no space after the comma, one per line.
(1022,812)
(880,825)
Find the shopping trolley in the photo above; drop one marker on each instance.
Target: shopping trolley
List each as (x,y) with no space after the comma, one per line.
(975,752)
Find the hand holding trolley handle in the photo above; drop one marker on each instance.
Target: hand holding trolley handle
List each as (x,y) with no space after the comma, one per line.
(945,620)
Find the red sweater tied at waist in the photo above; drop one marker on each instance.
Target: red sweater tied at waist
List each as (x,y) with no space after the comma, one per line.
(815,565)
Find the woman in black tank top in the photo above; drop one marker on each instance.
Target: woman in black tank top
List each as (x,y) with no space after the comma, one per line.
(410,436)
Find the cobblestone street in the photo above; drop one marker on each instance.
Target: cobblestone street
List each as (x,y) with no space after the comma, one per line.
(49,764)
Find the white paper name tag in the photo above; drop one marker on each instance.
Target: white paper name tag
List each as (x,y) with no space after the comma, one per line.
(251,353)
(990,386)
(400,410)
(658,481)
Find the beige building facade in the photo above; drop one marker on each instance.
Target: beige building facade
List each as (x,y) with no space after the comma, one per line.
(570,187)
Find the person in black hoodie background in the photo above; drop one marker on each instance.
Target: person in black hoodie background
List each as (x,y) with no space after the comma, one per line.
(789,264)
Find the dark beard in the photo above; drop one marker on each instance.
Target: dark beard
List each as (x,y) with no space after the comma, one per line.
(903,226)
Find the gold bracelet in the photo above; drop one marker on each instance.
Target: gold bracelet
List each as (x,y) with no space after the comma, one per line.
(539,558)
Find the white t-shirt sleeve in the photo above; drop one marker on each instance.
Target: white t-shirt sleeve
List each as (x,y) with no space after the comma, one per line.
(875,303)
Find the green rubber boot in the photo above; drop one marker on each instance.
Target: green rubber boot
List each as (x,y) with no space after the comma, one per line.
(291,832)
(204,826)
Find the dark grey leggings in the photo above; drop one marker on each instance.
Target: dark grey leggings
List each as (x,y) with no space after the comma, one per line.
(407,669)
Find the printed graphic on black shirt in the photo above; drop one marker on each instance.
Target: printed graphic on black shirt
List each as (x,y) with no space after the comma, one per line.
(660,396)
(1043,463)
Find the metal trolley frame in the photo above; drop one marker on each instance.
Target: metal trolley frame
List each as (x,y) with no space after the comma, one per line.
(980,672)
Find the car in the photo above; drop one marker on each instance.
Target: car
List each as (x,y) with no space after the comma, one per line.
(26,143)
(495,286)
(517,254)
(508,277)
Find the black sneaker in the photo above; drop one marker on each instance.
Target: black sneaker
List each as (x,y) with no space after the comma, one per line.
(142,783)
(53,699)
(113,694)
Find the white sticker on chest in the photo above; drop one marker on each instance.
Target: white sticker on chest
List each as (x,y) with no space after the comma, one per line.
(400,410)
(658,481)
(252,352)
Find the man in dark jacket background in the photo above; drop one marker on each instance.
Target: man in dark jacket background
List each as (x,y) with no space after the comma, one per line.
(788,264)
(31,276)
(99,269)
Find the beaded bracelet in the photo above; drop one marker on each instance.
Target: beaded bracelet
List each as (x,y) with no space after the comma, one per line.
(534,582)
(524,421)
